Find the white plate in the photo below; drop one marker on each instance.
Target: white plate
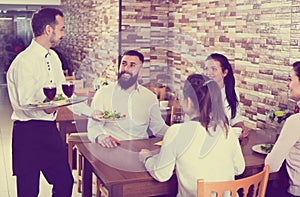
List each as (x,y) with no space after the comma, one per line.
(60,103)
(164,108)
(257,148)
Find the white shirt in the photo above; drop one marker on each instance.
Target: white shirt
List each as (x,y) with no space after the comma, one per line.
(238,117)
(27,75)
(140,107)
(287,148)
(189,150)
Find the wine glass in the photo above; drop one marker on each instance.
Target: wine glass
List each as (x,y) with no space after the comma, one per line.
(68,89)
(50,92)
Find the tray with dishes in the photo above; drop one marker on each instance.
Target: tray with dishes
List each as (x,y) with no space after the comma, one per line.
(262,148)
(56,103)
(109,116)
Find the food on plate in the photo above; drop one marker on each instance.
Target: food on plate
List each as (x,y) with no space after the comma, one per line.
(112,115)
(58,97)
(266,147)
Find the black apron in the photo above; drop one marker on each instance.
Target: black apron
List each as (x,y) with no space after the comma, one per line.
(36,145)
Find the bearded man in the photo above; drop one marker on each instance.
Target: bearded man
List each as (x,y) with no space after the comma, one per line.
(138,105)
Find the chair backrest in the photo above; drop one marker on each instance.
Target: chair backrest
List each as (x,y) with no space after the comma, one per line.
(177,115)
(159,91)
(255,185)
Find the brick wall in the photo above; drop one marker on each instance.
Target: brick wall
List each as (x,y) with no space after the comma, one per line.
(91,43)
(261,40)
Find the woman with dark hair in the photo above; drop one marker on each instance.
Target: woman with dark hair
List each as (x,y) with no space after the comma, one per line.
(202,147)
(219,69)
(287,145)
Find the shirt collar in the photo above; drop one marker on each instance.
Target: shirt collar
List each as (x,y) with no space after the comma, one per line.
(138,87)
(39,49)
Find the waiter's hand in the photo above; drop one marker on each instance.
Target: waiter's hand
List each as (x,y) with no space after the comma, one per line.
(50,110)
(107,141)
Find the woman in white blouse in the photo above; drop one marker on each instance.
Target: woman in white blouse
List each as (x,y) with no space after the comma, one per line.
(203,147)
(287,145)
(218,68)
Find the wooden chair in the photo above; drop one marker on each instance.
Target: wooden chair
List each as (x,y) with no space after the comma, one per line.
(255,184)
(159,91)
(177,115)
(73,139)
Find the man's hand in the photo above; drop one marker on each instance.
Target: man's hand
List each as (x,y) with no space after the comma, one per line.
(50,110)
(97,113)
(107,141)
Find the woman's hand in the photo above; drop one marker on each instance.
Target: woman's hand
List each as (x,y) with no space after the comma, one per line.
(144,154)
(245,131)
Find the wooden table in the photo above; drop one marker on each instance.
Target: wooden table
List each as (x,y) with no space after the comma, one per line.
(128,177)
(68,122)
(112,166)
(255,161)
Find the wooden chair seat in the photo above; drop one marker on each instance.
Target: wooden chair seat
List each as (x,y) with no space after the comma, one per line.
(255,185)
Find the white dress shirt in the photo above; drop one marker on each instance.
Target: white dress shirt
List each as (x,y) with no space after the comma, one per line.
(194,154)
(28,73)
(140,107)
(287,148)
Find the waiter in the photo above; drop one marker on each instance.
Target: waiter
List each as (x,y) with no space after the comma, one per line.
(36,143)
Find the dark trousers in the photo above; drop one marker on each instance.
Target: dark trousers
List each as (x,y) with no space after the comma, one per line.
(58,175)
(37,147)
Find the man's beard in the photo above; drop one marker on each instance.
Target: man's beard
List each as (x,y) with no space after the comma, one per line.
(125,84)
(54,42)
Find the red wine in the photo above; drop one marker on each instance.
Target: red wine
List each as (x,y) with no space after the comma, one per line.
(68,89)
(50,92)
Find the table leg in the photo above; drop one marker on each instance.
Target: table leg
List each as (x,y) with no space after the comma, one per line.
(115,190)
(86,179)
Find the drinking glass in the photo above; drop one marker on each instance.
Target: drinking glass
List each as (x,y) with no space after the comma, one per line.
(68,89)
(50,92)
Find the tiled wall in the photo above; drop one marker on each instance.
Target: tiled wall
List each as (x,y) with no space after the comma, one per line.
(91,44)
(260,38)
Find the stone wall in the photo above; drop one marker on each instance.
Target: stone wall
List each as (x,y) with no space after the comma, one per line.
(91,42)
(261,40)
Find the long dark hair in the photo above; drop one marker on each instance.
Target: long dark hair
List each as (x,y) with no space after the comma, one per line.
(206,96)
(296,67)
(229,81)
